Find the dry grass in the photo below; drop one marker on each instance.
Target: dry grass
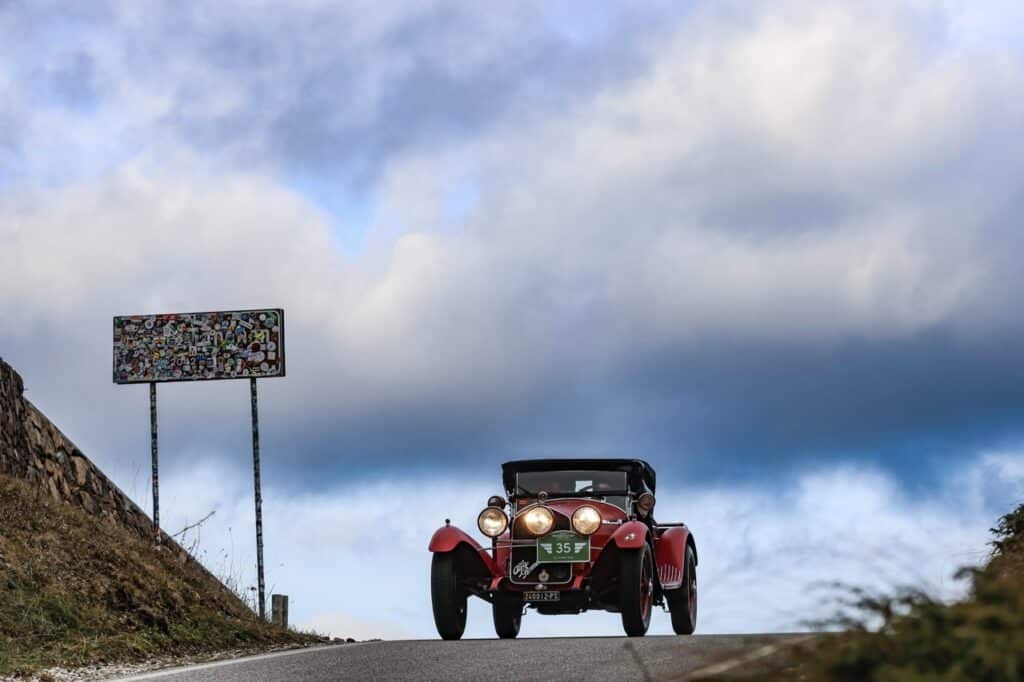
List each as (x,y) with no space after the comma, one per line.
(78,590)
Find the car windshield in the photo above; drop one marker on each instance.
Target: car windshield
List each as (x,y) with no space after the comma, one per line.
(590,484)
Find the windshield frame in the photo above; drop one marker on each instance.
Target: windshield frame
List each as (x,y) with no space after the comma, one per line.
(620,497)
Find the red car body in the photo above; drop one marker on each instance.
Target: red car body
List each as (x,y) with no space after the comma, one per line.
(634,563)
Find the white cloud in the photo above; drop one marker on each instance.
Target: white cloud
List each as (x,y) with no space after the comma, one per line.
(778,177)
(152,237)
(792,177)
(787,176)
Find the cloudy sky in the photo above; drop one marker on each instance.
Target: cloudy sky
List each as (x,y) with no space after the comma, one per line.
(773,248)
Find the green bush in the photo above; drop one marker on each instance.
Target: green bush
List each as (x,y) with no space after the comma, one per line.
(912,636)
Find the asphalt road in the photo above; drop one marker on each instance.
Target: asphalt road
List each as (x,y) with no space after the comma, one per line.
(619,658)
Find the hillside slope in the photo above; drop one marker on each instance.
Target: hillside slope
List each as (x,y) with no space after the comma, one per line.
(77,589)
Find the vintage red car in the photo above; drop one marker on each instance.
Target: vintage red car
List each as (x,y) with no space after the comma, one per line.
(573,535)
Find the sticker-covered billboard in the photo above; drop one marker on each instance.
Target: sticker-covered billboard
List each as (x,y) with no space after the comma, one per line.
(236,344)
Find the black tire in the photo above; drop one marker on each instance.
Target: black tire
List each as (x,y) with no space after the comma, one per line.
(447,597)
(682,602)
(508,616)
(636,593)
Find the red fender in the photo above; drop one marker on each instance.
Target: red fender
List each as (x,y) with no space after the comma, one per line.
(630,535)
(670,555)
(449,538)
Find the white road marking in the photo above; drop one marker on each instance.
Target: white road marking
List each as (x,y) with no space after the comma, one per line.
(167,672)
(727,665)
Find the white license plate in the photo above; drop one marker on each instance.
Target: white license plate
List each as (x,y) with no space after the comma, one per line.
(542,596)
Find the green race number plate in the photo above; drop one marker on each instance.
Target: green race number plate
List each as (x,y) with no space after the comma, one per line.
(563,546)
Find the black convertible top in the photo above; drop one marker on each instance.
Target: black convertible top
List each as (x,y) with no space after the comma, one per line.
(640,472)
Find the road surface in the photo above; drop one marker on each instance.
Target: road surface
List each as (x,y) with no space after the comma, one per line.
(613,658)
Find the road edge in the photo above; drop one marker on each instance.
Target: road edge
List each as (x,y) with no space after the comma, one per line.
(165,672)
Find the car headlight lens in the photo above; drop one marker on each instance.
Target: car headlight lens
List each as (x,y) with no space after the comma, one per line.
(539,520)
(492,522)
(586,520)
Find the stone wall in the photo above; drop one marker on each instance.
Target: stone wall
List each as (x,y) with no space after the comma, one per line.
(32,448)
(13,435)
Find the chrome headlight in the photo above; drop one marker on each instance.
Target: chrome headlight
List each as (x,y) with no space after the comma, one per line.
(492,522)
(586,520)
(538,520)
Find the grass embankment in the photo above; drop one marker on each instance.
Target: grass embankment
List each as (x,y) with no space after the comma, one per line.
(915,637)
(78,590)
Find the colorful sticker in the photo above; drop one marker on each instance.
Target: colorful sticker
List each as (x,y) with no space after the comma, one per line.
(198,346)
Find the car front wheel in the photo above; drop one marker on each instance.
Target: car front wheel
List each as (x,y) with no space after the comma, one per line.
(447,596)
(682,602)
(508,616)
(636,595)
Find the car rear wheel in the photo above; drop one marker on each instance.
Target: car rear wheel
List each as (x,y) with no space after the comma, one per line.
(508,615)
(682,602)
(636,595)
(447,596)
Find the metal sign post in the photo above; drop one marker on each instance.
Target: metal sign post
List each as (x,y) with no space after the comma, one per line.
(156,472)
(259,495)
(232,344)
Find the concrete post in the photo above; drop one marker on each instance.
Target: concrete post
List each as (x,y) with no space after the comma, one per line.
(279,609)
